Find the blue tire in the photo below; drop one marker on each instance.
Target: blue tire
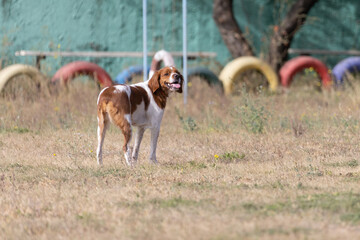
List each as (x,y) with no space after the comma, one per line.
(205,73)
(126,75)
(351,64)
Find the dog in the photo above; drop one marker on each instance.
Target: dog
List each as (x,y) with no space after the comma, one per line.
(141,105)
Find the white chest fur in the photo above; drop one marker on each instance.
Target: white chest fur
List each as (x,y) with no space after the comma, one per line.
(149,117)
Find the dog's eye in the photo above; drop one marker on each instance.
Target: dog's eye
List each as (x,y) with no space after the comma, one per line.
(166,74)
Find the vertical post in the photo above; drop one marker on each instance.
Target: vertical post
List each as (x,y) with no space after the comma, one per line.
(184,13)
(145,40)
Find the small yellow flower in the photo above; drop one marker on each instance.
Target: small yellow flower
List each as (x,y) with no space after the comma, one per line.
(54,154)
(189,84)
(59,46)
(16,127)
(91,151)
(303,115)
(216,156)
(56,109)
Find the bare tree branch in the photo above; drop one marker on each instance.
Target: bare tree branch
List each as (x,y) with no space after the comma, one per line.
(283,35)
(229,29)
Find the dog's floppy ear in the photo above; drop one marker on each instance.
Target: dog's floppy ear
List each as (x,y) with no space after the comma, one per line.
(154,81)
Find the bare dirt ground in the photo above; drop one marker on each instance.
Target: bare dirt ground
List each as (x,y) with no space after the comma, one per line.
(254,166)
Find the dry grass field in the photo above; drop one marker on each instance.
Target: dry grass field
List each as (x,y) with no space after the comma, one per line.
(254,166)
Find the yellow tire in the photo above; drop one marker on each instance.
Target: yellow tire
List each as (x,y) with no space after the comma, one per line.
(239,65)
(14,70)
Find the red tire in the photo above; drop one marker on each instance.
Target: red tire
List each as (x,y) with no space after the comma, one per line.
(297,64)
(70,70)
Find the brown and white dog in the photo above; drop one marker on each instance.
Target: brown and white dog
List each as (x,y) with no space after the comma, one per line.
(141,105)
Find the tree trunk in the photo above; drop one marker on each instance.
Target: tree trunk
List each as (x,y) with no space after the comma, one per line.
(229,29)
(283,35)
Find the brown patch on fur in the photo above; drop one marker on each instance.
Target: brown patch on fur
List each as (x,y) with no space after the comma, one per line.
(154,83)
(119,101)
(115,106)
(160,98)
(138,95)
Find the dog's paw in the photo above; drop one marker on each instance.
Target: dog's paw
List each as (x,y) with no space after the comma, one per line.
(128,157)
(133,161)
(153,161)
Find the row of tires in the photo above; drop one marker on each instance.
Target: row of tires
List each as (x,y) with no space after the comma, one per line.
(227,76)
(234,68)
(71,70)
(65,73)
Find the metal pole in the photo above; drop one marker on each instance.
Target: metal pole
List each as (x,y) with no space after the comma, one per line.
(184,12)
(145,39)
(102,54)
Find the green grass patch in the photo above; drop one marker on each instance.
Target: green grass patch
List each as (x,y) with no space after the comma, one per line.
(345,205)
(252,115)
(92,221)
(352,163)
(230,157)
(15,129)
(188,123)
(103,172)
(174,202)
(197,165)
(313,171)
(17,167)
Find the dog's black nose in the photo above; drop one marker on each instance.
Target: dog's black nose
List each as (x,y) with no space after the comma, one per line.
(176,76)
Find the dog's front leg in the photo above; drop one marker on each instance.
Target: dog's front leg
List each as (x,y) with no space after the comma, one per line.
(154,138)
(138,138)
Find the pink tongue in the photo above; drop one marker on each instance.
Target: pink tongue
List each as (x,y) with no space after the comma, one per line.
(176,85)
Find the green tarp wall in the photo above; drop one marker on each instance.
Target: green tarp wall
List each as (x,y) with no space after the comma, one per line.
(99,25)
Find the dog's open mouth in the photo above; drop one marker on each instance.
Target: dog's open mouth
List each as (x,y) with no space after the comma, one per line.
(173,85)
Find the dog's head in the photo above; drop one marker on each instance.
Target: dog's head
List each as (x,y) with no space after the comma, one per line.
(167,79)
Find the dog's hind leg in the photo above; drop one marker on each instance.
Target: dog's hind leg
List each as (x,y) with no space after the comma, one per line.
(127,131)
(123,121)
(121,117)
(103,123)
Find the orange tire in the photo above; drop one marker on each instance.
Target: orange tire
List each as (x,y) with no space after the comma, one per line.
(70,70)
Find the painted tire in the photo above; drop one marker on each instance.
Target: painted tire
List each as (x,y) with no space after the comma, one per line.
(14,70)
(351,64)
(205,73)
(159,56)
(69,71)
(239,65)
(295,65)
(126,75)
